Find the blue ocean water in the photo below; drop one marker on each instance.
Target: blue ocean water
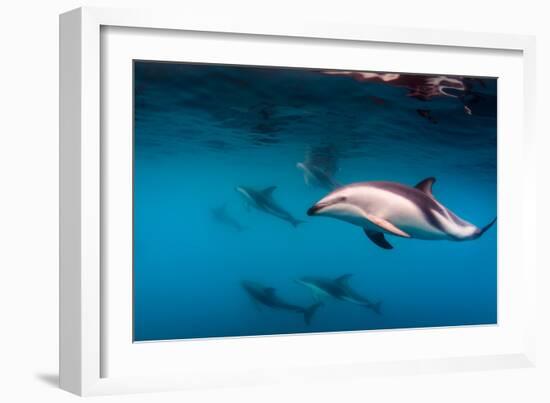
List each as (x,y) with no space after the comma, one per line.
(203,130)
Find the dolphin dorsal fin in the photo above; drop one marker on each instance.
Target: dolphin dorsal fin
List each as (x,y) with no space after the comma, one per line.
(426,186)
(268,191)
(343,279)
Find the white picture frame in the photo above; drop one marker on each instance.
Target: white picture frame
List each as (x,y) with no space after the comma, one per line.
(86,345)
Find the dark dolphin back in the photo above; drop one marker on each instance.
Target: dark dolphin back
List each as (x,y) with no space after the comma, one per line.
(262,198)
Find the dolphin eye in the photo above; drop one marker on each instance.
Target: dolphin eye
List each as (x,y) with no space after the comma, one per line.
(342,199)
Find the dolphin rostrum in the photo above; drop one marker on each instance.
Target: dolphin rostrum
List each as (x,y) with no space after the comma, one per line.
(267,296)
(263,201)
(337,288)
(314,175)
(221,215)
(392,208)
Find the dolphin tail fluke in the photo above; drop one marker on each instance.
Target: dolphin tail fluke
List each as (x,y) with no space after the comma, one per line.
(375,307)
(308,312)
(485,228)
(295,223)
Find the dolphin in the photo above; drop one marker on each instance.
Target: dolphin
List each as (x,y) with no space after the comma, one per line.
(221,215)
(267,296)
(314,175)
(337,288)
(392,208)
(319,166)
(263,201)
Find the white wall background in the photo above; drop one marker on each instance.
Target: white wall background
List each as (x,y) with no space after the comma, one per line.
(29,201)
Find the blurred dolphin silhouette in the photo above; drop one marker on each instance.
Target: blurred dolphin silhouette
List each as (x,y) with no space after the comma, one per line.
(319,166)
(337,288)
(263,201)
(314,175)
(221,215)
(267,296)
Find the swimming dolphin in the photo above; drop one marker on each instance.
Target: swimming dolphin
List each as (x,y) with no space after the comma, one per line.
(263,201)
(392,208)
(268,297)
(337,288)
(221,215)
(319,166)
(314,175)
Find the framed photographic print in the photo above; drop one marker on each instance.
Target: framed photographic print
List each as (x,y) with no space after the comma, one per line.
(235,200)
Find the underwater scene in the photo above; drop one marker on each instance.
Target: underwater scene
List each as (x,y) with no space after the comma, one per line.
(273,200)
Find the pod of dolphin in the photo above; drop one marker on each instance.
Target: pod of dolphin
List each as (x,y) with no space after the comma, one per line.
(380,208)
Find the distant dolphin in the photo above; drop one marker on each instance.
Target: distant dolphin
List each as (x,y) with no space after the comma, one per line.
(314,175)
(221,215)
(392,208)
(337,288)
(263,201)
(319,166)
(268,297)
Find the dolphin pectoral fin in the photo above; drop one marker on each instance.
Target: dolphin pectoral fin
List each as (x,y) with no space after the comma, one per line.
(306,179)
(375,307)
(387,226)
(378,238)
(308,312)
(426,186)
(256,304)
